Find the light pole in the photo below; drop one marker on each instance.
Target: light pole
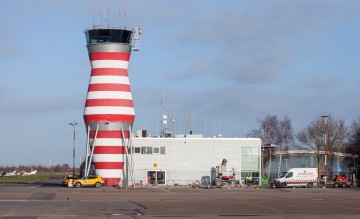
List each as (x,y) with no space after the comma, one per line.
(325,118)
(73,124)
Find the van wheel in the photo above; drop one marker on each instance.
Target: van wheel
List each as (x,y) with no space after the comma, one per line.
(78,185)
(283,185)
(336,185)
(309,185)
(97,185)
(344,185)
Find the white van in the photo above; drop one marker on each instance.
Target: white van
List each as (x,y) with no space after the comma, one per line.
(297,177)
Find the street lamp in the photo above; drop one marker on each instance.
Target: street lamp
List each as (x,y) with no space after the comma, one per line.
(73,124)
(325,118)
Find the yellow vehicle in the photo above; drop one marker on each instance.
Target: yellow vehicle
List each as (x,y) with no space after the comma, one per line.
(96,181)
(69,178)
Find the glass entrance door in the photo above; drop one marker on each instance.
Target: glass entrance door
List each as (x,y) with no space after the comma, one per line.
(156,177)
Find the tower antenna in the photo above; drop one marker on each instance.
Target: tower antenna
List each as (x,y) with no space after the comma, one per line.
(93,13)
(120,12)
(101,17)
(173,119)
(124,13)
(108,13)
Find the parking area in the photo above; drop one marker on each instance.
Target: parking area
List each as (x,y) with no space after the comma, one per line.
(50,199)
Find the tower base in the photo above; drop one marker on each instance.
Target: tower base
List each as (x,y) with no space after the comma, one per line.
(112,181)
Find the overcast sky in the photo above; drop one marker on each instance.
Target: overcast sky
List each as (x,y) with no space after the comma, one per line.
(228,62)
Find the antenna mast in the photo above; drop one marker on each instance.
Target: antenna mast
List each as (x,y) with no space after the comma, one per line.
(188,116)
(101,17)
(124,12)
(173,120)
(108,13)
(120,13)
(93,13)
(163,119)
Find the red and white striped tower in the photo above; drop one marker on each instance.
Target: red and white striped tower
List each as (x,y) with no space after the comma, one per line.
(109,111)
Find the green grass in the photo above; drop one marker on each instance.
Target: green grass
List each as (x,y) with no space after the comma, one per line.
(29,179)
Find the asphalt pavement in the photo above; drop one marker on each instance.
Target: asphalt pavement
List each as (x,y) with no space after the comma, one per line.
(50,200)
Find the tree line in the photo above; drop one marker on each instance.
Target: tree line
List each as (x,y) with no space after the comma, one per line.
(325,133)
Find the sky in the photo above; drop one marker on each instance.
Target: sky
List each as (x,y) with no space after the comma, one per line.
(227,63)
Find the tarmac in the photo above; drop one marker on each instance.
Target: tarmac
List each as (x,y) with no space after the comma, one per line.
(50,200)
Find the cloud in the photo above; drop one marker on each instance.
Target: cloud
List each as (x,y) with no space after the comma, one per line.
(247,41)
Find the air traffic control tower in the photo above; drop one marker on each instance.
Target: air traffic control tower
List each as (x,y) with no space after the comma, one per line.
(109,111)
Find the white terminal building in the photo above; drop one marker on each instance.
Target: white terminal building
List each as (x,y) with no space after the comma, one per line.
(184,159)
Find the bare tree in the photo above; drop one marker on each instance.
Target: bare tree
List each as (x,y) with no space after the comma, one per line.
(273,132)
(353,146)
(270,136)
(286,139)
(312,138)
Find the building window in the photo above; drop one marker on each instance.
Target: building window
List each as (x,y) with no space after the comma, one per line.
(162,150)
(137,150)
(250,164)
(156,150)
(146,150)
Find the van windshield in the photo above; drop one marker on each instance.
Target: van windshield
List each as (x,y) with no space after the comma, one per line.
(283,174)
